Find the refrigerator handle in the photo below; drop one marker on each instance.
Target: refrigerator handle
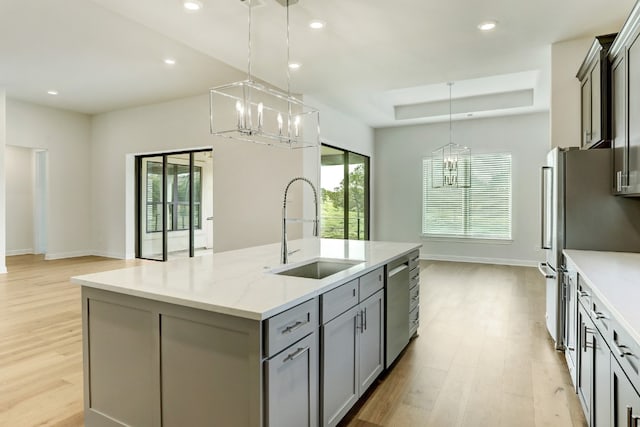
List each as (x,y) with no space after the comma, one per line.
(546,198)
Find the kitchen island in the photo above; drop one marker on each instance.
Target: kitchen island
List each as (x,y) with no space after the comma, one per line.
(224,340)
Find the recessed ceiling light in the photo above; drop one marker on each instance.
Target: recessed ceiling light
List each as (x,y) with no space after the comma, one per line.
(294,65)
(170,61)
(317,24)
(52,92)
(192,5)
(487,25)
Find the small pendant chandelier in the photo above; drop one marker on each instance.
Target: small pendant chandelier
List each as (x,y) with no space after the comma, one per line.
(251,111)
(451,163)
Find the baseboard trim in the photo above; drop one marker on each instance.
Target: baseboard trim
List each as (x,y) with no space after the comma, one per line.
(480,260)
(62,255)
(105,254)
(15,252)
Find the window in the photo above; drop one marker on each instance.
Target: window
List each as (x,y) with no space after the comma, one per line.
(344,182)
(480,212)
(177,197)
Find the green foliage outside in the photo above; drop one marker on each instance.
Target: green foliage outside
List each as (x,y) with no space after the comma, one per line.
(333,208)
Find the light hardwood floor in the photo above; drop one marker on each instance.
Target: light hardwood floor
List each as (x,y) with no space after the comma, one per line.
(482,358)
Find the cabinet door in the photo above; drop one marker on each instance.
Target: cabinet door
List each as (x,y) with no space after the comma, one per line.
(339,370)
(585,360)
(586,111)
(601,393)
(625,401)
(619,127)
(371,340)
(633,77)
(596,103)
(292,385)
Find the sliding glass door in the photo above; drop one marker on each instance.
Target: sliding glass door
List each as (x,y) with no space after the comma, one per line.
(171,207)
(344,178)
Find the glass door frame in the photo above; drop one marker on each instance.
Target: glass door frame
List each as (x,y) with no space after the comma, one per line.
(367,183)
(139,205)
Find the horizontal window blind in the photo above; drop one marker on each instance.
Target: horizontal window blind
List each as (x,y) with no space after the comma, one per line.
(482,211)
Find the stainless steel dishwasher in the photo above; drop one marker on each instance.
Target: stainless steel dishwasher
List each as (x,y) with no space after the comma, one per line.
(397,329)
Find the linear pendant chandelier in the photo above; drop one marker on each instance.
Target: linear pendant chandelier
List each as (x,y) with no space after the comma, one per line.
(251,111)
(451,163)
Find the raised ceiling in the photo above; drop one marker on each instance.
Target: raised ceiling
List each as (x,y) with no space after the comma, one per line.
(373,55)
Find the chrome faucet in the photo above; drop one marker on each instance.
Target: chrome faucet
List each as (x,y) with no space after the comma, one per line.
(285,252)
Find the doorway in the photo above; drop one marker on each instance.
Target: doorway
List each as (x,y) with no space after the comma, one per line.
(344,179)
(174,204)
(26,204)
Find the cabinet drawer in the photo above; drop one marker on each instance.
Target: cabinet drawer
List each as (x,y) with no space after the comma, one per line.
(414,277)
(338,300)
(414,297)
(414,259)
(601,319)
(627,352)
(284,329)
(371,283)
(414,320)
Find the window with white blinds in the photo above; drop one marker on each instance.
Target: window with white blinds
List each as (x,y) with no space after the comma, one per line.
(482,211)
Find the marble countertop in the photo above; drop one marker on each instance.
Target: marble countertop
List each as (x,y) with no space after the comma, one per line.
(614,278)
(241,282)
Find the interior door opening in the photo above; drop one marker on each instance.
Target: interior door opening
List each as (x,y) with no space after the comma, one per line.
(174,205)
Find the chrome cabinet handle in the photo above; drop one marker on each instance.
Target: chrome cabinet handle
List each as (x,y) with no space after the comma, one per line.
(295,354)
(541,268)
(583,294)
(622,349)
(629,416)
(365,318)
(597,315)
(359,321)
(583,336)
(295,326)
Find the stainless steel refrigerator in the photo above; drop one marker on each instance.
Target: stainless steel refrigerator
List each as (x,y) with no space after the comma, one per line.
(579,212)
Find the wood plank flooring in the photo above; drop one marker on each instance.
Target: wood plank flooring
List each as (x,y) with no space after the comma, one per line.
(483,357)
(40,340)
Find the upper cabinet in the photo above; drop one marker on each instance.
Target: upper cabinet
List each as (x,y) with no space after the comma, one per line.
(595,94)
(624,57)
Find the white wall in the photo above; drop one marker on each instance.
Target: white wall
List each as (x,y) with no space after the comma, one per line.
(566,58)
(398,182)
(19,174)
(3,135)
(248,179)
(65,135)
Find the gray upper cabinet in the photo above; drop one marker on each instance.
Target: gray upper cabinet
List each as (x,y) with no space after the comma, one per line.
(595,95)
(624,56)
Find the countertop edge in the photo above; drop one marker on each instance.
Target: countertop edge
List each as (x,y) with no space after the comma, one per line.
(84,281)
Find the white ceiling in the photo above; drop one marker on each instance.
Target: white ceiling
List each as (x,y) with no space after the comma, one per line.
(103,55)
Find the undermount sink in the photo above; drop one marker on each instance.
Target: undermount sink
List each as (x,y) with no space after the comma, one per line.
(317,269)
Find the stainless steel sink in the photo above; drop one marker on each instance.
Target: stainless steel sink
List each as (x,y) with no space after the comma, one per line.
(317,269)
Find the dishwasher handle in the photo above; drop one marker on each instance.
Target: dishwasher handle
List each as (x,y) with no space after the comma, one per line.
(397,270)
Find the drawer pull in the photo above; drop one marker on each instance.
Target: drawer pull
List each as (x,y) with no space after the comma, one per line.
(598,315)
(583,294)
(623,350)
(365,318)
(295,326)
(295,354)
(415,297)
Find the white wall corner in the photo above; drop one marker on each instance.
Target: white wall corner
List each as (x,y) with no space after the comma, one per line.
(3,142)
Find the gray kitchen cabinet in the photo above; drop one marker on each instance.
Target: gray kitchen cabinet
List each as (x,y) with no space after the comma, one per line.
(371,357)
(291,384)
(625,399)
(601,392)
(624,55)
(619,127)
(595,94)
(339,366)
(584,383)
(352,356)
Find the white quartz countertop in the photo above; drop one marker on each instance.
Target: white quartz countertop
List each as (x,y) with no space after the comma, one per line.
(240,282)
(614,278)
